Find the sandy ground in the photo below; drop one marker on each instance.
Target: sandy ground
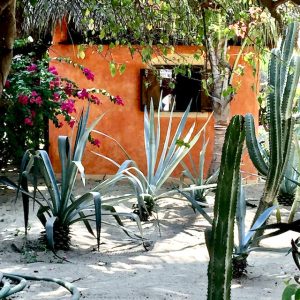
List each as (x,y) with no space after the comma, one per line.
(175,268)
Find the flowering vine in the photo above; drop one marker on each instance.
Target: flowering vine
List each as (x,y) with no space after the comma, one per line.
(35,93)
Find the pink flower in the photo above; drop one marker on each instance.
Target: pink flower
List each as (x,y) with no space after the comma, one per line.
(95,142)
(72,123)
(68,106)
(88,74)
(53,70)
(83,94)
(34,94)
(54,83)
(7,84)
(39,100)
(23,99)
(119,101)
(68,88)
(33,114)
(32,68)
(56,96)
(60,124)
(95,100)
(28,121)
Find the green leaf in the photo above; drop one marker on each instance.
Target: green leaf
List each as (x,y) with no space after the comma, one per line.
(289,291)
(122,69)
(112,68)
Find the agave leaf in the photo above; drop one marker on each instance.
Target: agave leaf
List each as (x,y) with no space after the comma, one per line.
(166,144)
(171,167)
(197,206)
(50,180)
(50,231)
(259,223)
(76,206)
(241,213)
(25,200)
(84,138)
(97,202)
(64,156)
(111,138)
(187,172)
(41,214)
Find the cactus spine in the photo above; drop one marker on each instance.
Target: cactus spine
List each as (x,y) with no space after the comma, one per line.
(220,240)
(283,77)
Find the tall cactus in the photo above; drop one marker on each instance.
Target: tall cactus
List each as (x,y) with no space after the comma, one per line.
(220,240)
(283,78)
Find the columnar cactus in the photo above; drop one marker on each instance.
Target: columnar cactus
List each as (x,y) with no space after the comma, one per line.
(283,78)
(220,240)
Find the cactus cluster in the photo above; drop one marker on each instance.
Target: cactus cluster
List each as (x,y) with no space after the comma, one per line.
(283,78)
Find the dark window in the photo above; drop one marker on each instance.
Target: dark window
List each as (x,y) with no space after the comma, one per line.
(180,89)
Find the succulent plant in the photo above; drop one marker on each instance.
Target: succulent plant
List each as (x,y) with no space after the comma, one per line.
(283,78)
(220,239)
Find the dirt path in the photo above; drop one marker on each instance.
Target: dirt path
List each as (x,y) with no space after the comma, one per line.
(175,268)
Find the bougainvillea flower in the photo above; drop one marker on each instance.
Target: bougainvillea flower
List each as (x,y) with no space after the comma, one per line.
(7,84)
(34,94)
(68,89)
(56,96)
(68,106)
(72,123)
(23,99)
(28,121)
(39,100)
(88,74)
(53,70)
(96,142)
(33,114)
(119,100)
(83,94)
(95,99)
(32,68)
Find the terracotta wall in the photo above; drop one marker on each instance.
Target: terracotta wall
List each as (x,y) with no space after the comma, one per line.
(125,124)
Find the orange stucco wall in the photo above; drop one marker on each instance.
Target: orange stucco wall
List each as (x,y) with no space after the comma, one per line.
(125,124)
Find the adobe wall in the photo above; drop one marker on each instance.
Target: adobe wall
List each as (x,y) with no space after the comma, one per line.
(125,123)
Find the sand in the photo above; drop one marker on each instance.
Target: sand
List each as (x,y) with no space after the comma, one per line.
(174,268)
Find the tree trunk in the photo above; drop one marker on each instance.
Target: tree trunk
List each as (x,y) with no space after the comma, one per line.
(221,74)
(7,36)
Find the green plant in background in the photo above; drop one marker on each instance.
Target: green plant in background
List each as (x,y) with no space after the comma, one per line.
(195,175)
(220,238)
(284,71)
(34,94)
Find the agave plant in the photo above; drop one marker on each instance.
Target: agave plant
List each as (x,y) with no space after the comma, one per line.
(243,246)
(58,211)
(160,165)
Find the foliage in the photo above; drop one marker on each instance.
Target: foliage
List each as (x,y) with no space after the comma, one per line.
(284,71)
(14,283)
(220,239)
(35,93)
